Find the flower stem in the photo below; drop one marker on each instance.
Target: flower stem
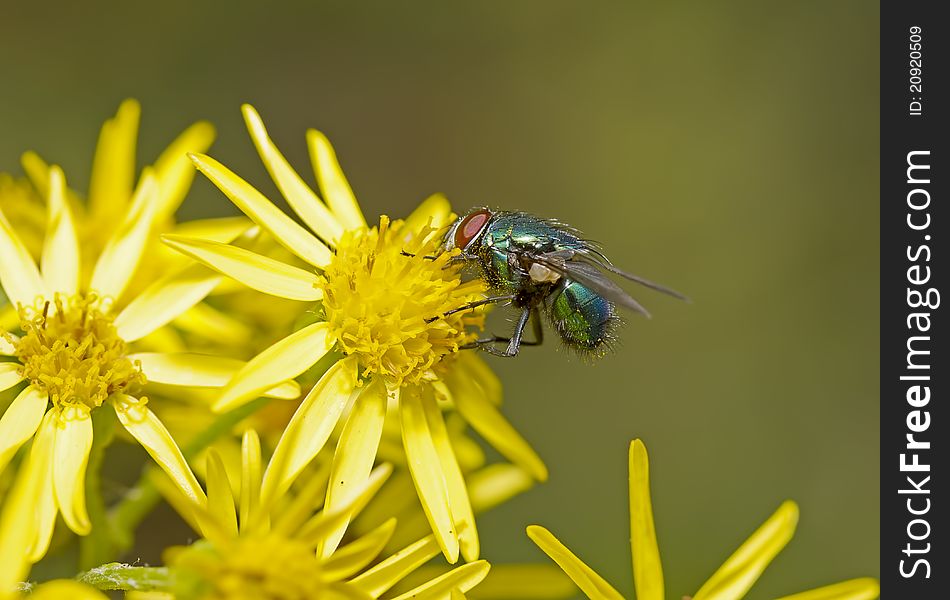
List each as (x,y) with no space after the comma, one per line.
(94,548)
(139,501)
(118,576)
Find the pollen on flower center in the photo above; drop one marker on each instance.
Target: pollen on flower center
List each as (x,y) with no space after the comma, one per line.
(385,297)
(71,350)
(256,567)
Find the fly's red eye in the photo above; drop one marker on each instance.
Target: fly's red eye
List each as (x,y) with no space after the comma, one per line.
(470,227)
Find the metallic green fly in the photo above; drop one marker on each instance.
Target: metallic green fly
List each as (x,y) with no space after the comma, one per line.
(540,265)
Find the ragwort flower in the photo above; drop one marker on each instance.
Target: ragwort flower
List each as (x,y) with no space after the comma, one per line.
(272,546)
(72,348)
(730,582)
(380,292)
(97,216)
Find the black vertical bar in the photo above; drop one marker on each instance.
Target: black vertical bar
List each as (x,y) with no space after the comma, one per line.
(914,171)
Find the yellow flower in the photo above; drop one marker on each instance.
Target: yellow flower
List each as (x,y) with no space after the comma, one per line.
(256,545)
(730,582)
(105,208)
(74,328)
(382,297)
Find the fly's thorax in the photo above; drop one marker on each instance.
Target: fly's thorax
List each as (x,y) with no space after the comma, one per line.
(526,231)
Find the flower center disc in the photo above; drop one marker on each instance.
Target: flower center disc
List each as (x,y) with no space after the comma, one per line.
(257,567)
(382,287)
(71,350)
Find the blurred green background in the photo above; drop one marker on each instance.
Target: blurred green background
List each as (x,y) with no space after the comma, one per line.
(727,149)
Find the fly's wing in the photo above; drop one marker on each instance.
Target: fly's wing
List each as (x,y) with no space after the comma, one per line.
(600,261)
(590,276)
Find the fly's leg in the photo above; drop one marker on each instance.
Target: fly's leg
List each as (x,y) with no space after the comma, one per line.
(515,344)
(536,329)
(471,305)
(410,255)
(515,341)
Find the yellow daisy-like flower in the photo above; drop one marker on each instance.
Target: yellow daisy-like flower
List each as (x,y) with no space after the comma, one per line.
(105,208)
(268,546)
(382,292)
(730,582)
(71,346)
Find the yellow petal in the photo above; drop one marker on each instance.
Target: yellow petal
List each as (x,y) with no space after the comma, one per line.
(333,185)
(250,268)
(459,503)
(398,499)
(435,211)
(526,582)
(218,229)
(40,465)
(355,452)
(357,554)
(478,370)
(165,339)
(392,570)
(201,370)
(60,260)
(341,590)
(213,324)
(315,530)
(19,277)
(647,568)
(496,484)
(473,404)
(9,319)
(71,445)
(164,300)
(250,476)
(865,588)
(8,342)
(297,509)
(290,235)
(426,468)
(61,589)
(298,194)
(734,578)
(145,427)
(9,377)
(36,170)
(586,578)
(16,532)
(38,468)
(281,362)
(309,428)
(461,578)
(122,253)
(113,167)
(457,594)
(220,499)
(20,421)
(174,170)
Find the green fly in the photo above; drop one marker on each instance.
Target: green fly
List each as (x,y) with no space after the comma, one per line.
(540,265)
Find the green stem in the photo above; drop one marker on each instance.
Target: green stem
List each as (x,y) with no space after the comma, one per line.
(94,549)
(118,576)
(139,501)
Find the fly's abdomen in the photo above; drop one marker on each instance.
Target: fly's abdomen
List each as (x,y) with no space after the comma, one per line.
(581,317)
